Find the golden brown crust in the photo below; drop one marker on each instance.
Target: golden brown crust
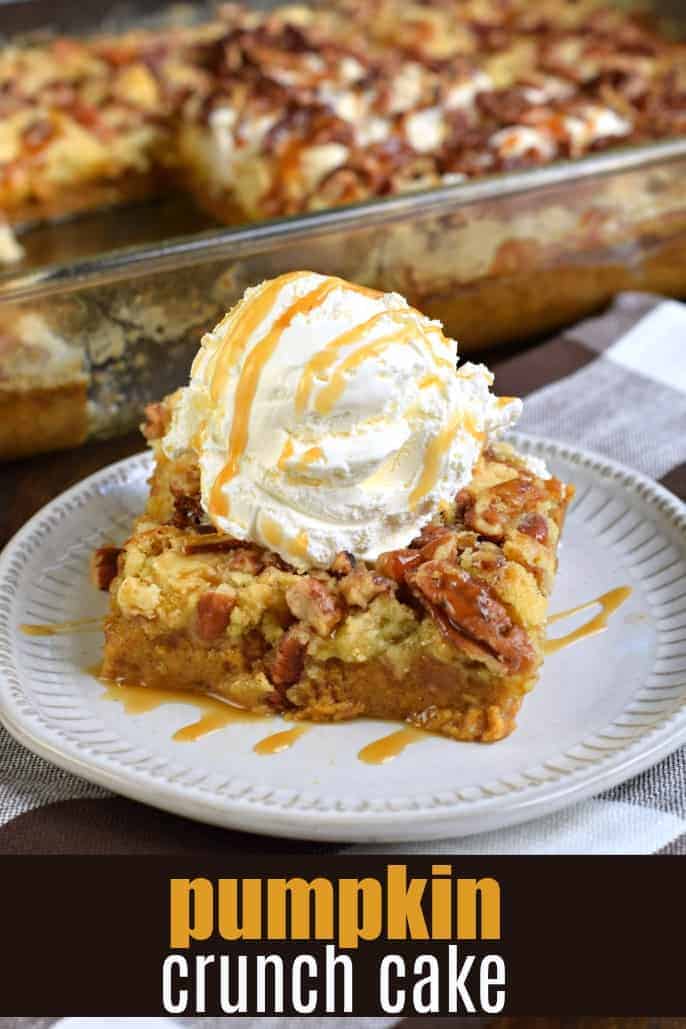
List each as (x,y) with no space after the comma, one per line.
(68,201)
(42,418)
(548,293)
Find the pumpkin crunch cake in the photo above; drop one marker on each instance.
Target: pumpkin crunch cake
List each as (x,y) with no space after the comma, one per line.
(333,529)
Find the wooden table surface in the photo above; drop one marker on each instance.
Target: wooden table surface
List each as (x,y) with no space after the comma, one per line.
(26,485)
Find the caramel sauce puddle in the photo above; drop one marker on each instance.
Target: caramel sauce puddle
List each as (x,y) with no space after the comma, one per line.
(215,713)
(609,602)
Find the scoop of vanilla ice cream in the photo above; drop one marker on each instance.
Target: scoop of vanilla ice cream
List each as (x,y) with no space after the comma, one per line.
(330,417)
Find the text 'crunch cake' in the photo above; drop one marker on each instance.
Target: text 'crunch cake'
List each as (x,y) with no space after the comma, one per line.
(333,528)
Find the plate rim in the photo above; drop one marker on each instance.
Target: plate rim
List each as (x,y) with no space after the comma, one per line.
(374,824)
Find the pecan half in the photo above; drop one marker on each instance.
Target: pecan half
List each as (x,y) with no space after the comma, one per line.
(104,566)
(497,509)
(288,661)
(213,614)
(395,564)
(435,542)
(343,563)
(429,534)
(534,525)
(314,604)
(469,614)
(187,509)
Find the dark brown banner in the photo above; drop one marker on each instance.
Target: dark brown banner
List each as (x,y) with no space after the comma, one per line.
(342,935)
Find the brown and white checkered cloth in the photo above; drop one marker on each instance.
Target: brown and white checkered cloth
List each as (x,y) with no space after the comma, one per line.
(615,384)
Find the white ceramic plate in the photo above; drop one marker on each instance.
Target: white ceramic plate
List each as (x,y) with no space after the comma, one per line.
(604,709)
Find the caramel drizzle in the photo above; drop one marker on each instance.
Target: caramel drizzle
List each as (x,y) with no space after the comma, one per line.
(433,456)
(298,545)
(609,602)
(388,747)
(239,326)
(327,356)
(313,454)
(253,314)
(285,454)
(435,451)
(215,713)
(321,363)
(271,531)
(279,741)
(60,628)
(197,439)
(430,380)
(329,395)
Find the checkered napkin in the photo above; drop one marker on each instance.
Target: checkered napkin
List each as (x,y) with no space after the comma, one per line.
(615,384)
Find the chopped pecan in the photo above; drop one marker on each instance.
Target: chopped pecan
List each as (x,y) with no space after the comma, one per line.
(496,510)
(361,586)
(443,547)
(429,534)
(38,134)
(313,603)
(504,106)
(187,508)
(247,559)
(288,661)
(535,525)
(463,501)
(395,564)
(197,543)
(273,560)
(104,564)
(466,539)
(156,421)
(469,614)
(487,558)
(343,563)
(213,614)
(434,542)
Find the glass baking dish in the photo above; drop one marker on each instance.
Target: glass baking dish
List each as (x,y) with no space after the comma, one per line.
(495,260)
